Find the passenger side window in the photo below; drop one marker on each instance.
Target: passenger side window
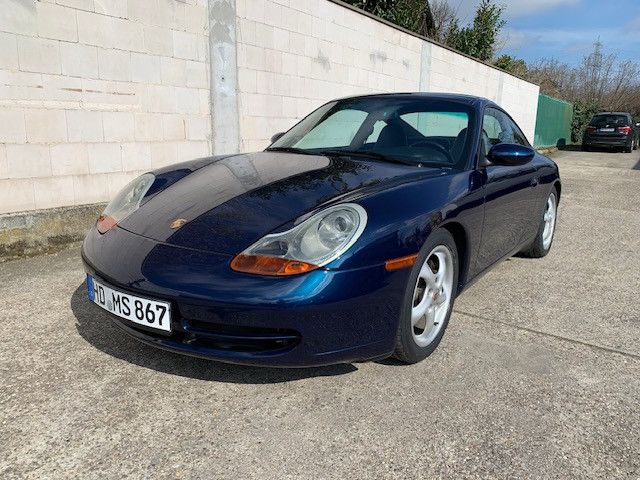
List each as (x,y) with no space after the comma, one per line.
(499,128)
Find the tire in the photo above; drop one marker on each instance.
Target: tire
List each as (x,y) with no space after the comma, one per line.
(542,244)
(635,145)
(628,148)
(415,343)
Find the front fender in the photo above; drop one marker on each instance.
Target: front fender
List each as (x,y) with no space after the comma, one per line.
(403,217)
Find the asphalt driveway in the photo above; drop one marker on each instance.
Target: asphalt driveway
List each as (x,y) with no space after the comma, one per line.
(538,376)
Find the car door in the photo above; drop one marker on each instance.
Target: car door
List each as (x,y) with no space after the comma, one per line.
(509,193)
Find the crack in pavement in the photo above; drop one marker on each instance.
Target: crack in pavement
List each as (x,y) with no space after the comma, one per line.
(552,335)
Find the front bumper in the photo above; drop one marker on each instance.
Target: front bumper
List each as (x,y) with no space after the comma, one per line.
(319,318)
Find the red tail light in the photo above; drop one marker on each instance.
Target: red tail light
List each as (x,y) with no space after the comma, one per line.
(624,130)
(591,129)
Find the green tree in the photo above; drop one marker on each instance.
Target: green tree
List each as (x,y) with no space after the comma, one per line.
(381,8)
(414,15)
(441,23)
(515,66)
(582,113)
(479,38)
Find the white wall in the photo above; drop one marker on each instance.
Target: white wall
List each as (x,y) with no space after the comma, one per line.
(93,92)
(294,56)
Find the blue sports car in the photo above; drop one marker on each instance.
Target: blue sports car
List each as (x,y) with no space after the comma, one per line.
(348,239)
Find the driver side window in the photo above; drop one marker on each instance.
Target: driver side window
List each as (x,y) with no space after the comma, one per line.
(497,128)
(336,131)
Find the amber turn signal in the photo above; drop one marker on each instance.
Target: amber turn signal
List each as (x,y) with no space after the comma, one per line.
(105,223)
(260,265)
(400,263)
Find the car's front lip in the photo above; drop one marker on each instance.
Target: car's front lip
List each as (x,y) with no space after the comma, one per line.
(319,318)
(287,357)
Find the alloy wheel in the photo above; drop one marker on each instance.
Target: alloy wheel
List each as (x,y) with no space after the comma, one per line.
(432,296)
(550,214)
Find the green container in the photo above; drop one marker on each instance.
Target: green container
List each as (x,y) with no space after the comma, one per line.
(553,125)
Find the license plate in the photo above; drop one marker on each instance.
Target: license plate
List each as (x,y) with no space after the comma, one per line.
(607,130)
(150,313)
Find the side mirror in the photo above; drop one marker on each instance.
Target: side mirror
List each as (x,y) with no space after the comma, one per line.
(276,137)
(510,154)
(638,125)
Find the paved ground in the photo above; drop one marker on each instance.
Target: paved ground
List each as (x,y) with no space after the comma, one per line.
(537,377)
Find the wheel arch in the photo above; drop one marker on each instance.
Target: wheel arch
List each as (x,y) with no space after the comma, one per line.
(558,186)
(460,237)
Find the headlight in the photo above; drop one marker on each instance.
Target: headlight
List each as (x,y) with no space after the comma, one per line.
(125,203)
(312,244)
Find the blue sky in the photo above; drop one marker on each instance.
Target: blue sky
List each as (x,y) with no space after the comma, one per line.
(565,29)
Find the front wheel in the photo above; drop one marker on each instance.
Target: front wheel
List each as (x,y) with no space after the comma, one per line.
(428,299)
(542,244)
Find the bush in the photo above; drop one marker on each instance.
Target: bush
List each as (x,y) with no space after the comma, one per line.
(582,113)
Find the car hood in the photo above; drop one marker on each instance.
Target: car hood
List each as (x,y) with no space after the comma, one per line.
(227,204)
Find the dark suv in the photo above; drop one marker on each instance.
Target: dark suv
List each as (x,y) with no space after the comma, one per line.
(611,129)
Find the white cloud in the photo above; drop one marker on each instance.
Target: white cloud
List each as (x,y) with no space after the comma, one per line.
(517,37)
(519,8)
(567,45)
(514,39)
(513,8)
(633,25)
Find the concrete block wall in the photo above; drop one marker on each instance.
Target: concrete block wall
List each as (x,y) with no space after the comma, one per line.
(293,56)
(95,92)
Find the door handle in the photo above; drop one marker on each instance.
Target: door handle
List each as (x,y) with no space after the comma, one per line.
(534,182)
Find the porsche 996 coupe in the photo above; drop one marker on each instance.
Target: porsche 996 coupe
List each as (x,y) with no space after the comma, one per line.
(347,240)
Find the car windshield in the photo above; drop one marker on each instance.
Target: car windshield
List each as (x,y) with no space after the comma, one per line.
(611,120)
(415,131)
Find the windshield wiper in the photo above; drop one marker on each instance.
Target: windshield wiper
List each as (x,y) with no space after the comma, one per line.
(366,154)
(301,151)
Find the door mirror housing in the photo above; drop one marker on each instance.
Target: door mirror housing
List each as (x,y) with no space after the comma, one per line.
(510,154)
(276,137)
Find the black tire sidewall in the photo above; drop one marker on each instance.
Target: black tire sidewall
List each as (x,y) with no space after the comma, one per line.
(406,348)
(539,245)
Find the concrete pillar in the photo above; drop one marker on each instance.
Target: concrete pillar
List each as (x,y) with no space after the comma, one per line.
(425,67)
(500,93)
(225,124)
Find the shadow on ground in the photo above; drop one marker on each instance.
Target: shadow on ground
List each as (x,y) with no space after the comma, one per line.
(97,328)
(570,148)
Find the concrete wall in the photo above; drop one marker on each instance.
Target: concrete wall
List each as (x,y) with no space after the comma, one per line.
(294,56)
(94,92)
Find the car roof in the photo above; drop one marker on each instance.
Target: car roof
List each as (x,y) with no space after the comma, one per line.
(612,113)
(455,97)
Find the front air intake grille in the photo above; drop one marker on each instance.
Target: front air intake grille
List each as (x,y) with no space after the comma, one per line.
(243,339)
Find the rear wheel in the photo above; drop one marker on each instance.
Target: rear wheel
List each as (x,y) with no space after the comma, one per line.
(428,299)
(628,148)
(542,244)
